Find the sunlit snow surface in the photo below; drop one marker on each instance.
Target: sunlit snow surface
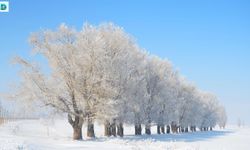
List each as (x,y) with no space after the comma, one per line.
(56,135)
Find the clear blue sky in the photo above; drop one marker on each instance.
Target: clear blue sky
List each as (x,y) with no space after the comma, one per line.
(208,41)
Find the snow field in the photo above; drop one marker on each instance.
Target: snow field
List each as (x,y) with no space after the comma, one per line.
(57,135)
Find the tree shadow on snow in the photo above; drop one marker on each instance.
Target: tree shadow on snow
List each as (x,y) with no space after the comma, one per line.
(182,137)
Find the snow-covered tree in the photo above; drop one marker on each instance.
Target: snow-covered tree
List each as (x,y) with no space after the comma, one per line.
(222,117)
(100,74)
(209,113)
(61,89)
(118,68)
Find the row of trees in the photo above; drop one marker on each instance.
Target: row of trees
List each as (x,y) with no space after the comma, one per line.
(4,115)
(101,74)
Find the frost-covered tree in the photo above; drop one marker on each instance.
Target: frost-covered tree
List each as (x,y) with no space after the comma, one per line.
(90,71)
(153,87)
(165,99)
(135,93)
(185,102)
(62,88)
(222,117)
(76,83)
(100,74)
(118,64)
(209,113)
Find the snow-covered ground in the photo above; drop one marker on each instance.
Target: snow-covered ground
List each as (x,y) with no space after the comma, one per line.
(56,135)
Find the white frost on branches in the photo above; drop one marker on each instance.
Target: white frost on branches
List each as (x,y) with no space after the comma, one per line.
(100,73)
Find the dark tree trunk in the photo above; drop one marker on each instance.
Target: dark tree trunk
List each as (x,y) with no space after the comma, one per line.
(107,129)
(182,129)
(174,128)
(158,129)
(138,129)
(163,129)
(77,134)
(168,129)
(77,126)
(91,132)
(186,129)
(120,129)
(148,129)
(192,128)
(211,129)
(113,129)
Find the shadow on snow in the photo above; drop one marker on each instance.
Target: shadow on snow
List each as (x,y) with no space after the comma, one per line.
(182,137)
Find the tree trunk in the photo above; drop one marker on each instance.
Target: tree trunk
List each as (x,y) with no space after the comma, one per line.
(148,129)
(90,131)
(158,129)
(182,129)
(77,126)
(107,128)
(186,129)
(168,129)
(113,129)
(77,134)
(173,127)
(163,129)
(211,129)
(192,128)
(138,129)
(120,129)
